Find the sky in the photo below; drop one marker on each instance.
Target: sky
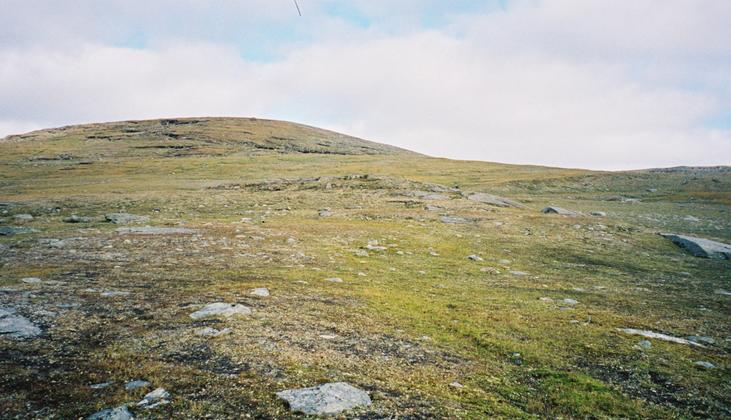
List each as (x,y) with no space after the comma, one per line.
(599,84)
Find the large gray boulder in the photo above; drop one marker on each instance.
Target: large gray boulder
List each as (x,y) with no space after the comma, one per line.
(494,200)
(327,399)
(558,210)
(704,248)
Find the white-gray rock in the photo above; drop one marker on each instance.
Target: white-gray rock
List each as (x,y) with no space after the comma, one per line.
(136,384)
(23,217)
(117,413)
(31,280)
(704,365)
(334,280)
(327,399)
(226,310)
(598,214)
(155,398)
(570,301)
(659,336)
(260,292)
(474,257)
(700,247)
(101,385)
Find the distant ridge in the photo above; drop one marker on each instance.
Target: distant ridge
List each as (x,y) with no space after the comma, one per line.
(238,133)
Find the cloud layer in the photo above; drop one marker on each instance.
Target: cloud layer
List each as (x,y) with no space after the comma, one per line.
(599,84)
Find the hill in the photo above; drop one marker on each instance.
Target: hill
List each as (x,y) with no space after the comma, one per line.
(438,287)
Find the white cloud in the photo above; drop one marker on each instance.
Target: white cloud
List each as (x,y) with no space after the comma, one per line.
(584,84)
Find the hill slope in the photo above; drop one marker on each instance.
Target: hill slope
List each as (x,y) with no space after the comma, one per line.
(449,304)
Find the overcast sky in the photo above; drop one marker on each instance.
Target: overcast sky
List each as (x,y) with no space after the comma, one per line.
(603,84)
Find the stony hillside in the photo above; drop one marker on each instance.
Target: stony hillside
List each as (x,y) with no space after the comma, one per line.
(226,268)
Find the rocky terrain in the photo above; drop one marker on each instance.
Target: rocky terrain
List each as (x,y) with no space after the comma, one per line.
(229,268)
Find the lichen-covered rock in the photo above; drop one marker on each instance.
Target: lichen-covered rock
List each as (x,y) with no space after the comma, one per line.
(327,399)
(700,247)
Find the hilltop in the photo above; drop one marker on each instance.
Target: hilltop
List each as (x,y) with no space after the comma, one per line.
(432,287)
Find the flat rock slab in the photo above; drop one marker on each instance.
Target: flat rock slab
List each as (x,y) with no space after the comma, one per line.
(15,230)
(117,413)
(124,218)
(16,326)
(457,220)
(704,248)
(494,200)
(151,230)
(559,210)
(260,292)
(659,336)
(226,310)
(327,399)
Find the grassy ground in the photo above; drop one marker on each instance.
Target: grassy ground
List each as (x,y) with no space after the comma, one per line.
(407,321)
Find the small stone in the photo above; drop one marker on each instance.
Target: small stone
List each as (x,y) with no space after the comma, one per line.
(260,292)
(704,365)
(474,257)
(326,212)
(328,336)
(570,301)
(327,399)
(598,214)
(456,384)
(101,385)
(212,332)
(516,359)
(546,299)
(23,217)
(136,384)
(125,218)
(31,280)
(334,280)
(114,293)
(117,413)
(221,309)
(644,345)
